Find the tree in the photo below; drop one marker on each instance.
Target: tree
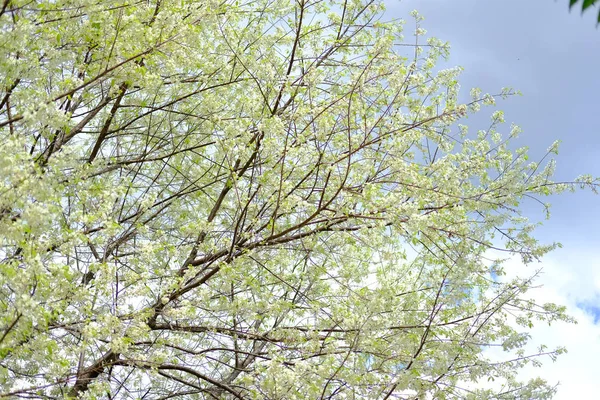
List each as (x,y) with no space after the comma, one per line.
(254,200)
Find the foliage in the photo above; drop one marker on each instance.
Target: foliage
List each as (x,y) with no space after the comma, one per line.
(260,199)
(585,4)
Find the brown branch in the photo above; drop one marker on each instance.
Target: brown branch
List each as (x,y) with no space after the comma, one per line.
(89,374)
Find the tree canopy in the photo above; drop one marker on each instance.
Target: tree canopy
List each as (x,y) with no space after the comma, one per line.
(256,199)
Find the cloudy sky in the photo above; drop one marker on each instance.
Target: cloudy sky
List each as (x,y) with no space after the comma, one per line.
(553,57)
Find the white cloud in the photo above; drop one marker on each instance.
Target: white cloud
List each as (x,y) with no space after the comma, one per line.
(569,278)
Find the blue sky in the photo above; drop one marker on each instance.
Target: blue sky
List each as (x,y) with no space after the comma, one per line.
(553,57)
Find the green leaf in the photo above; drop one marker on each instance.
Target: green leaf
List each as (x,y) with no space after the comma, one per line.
(587,4)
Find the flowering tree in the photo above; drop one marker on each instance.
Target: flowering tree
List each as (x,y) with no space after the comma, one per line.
(253,200)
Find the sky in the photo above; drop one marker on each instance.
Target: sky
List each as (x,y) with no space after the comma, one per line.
(553,57)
